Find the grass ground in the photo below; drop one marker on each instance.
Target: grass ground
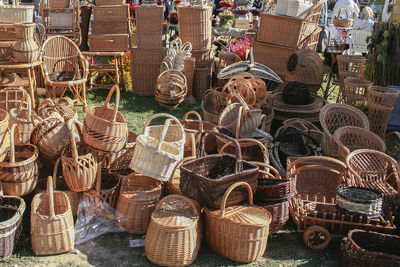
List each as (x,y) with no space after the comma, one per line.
(284,249)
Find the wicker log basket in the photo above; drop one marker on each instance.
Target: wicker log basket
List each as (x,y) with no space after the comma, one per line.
(137,200)
(367,248)
(206,178)
(158,149)
(105,128)
(239,233)
(11,211)
(52,224)
(78,163)
(19,170)
(175,232)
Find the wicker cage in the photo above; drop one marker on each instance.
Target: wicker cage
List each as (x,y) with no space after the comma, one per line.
(334,116)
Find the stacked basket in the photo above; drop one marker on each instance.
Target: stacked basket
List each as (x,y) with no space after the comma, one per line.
(279,37)
(195,27)
(148,55)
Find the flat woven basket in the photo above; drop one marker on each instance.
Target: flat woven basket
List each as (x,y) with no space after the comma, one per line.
(239,233)
(11,211)
(175,232)
(51,222)
(105,128)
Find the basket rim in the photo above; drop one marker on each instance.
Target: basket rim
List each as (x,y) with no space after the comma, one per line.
(92,111)
(35,202)
(32,158)
(17,215)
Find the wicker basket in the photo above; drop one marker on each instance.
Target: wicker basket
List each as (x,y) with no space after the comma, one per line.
(137,200)
(51,136)
(339,22)
(109,2)
(107,188)
(201,81)
(253,149)
(105,128)
(11,211)
(171,88)
(349,66)
(172,185)
(392,141)
(204,58)
(212,104)
(19,170)
(369,249)
(52,224)
(149,20)
(7,32)
(334,116)
(280,214)
(17,13)
(157,155)
(195,26)
(26,119)
(206,178)
(49,108)
(239,233)
(381,101)
(359,201)
(350,138)
(78,164)
(111,13)
(109,42)
(175,232)
(355,91)
(104,26)
(59,3)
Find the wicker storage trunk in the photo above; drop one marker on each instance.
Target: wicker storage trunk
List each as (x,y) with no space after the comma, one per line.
(109,2)
(145,69)
(105,26)
(149,19)
(115,12)
(195,26)
(109,42)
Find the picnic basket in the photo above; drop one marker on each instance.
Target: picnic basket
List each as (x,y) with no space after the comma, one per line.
(158,149)
(26,118)
(138,197)
(51,136)
(105,128)
(11,211)
(339,22)
(52,224)
(175,232)
(239,233)
(78,163)
(19,170)
(206,178)
(368,249)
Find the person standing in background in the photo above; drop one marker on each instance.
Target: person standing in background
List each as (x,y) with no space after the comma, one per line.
(323,23)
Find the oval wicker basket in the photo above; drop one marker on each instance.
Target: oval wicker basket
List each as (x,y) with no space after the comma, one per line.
(51,222)
(105,128)
(239,233)
(175,232)
(137,200)
(19,170)
(78,164)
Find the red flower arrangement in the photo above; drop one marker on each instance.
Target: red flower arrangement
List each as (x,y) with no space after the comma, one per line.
(227,3)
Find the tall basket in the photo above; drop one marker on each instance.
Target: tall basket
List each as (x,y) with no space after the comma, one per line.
(52,224)
(355,91)
(349,66)
(381,101)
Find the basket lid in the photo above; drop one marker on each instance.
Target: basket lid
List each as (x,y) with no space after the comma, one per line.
(247,215)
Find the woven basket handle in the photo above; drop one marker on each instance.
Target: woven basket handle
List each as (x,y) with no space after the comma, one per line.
(15,136)
(266,170)
(117,95)
(178,165)
(340,12)
(186,47)
(229,191)
(181,197)
(50,191)
(74,150)
(293,132)
(176,44)
(252,140)
(238,151)
(184,119)
(161,115)
(55,170)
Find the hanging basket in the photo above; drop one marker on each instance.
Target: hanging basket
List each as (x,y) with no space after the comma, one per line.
(239,233)
(78,164)
(105,129)
(156,156)
(206,178)
(11,211)
(175,232)
(137,200)
(19,170)
(51,222)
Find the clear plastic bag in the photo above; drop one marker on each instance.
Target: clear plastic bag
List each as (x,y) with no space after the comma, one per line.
(95,218)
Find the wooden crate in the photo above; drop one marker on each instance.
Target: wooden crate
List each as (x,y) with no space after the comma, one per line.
(145,69)
(111,27)
(109,42)
(117,12)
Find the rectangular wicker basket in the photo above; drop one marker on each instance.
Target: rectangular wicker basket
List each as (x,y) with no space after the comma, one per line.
(7,32)
(287,31)
(149,19)
(105,26)
(116,12)
(145,69)
(109,2)
(17,14)
(109,42)
(150,40)
(62,18)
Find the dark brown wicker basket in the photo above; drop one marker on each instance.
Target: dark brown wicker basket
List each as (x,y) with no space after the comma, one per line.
(206,178)
(280,214)
(370,249)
